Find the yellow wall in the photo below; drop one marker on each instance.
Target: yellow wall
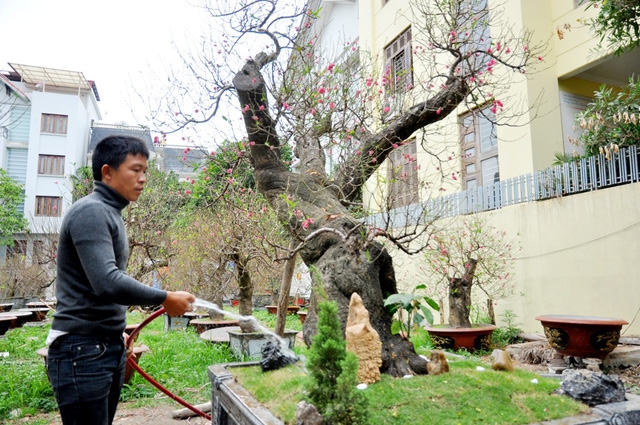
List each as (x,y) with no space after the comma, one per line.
(534,134)
(579,252)
(579,256)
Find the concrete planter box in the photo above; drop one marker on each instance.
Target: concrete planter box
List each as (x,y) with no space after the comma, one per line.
(175,323)
(231,404)
(261,300)
(249,345)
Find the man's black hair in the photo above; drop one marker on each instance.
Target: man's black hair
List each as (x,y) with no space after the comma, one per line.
(113,150)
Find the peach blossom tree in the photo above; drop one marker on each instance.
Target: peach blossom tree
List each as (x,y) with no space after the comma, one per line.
(344,115)
(469,261)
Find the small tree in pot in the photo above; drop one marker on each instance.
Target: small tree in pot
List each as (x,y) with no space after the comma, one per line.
(470,261)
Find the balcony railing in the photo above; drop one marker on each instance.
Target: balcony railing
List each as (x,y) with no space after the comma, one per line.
(582,175)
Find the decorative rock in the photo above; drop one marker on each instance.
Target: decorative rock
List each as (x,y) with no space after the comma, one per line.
(557,366)
(592,364)
(438,363)
(249,325)
(272,357)
(501,361)
(592,388)
(307,414)
(623,356)
(363,340)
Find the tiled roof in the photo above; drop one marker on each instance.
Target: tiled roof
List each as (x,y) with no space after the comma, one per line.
(101,131)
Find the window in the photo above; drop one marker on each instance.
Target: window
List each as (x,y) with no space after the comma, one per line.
(474,34)
(479,148)
(51,165)
(398,62)
(403,175)
(48,206)
(56,124)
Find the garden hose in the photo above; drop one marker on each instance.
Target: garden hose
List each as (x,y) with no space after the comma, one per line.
(146,376)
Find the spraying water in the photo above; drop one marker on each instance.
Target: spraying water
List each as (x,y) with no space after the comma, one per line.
(253,323)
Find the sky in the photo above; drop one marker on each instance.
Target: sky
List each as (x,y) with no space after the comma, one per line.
(116,43)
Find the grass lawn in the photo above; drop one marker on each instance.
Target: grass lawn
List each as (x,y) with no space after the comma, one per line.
(179,361)
(463,396)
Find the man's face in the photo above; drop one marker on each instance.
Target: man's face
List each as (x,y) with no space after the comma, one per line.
(129,179)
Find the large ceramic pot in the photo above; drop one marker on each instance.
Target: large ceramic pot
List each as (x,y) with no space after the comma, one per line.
(39,314)
(582,336)
(5,323)
(20,317)
(203,325)
(36,304)
(477,337)
(292,309)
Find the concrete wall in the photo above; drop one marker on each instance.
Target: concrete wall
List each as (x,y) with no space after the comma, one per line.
(579,256)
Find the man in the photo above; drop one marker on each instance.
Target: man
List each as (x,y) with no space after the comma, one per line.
(86,358)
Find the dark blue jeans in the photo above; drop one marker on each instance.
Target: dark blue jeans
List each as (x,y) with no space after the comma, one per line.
(87,373)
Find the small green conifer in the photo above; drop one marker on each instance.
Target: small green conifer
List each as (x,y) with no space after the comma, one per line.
(333,371)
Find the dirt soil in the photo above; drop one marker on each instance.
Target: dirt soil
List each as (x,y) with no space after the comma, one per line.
(158,414)
(630,376)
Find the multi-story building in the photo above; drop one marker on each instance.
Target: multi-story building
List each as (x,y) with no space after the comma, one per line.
(564,265)
(49,126)
(45,121)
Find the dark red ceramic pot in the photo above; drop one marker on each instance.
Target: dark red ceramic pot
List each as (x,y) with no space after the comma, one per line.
(582,336)
(477,337)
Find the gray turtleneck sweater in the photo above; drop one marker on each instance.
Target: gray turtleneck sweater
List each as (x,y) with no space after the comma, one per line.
(92,287)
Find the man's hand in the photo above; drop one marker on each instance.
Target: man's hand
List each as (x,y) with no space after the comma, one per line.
(177,303)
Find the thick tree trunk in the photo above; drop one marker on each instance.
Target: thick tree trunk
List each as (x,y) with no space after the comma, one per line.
(491,312)
(245,288)
(285,288)
(217,300)
(346,268)
(460,296)
(347,263)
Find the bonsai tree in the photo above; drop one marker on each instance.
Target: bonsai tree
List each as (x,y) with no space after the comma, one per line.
(286,93)
(467,262)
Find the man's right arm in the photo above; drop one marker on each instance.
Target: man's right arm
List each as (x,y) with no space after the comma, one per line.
(177,303)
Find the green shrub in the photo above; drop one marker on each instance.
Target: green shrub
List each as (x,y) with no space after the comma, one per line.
(611,121)
(332,387)
(508,334)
